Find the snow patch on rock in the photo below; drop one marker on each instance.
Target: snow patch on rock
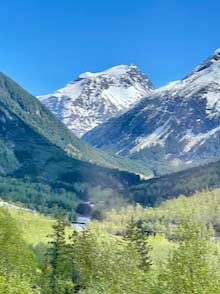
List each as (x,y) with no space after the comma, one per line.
(93,98)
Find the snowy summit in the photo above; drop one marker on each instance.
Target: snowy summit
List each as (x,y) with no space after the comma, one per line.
(93,98)
(176,126)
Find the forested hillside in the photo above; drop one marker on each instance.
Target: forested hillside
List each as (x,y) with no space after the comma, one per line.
(30,127)
(201,207)
(114,190)
(105,187)
(170,249)
(155,190)
(43,165)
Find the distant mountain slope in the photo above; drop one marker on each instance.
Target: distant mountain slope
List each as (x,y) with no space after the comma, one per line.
(93,98)
(37,170)
(176,127)
(37,166)
(186,182)
(23,120)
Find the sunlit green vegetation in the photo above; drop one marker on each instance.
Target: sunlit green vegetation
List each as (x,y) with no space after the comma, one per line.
(35,227)
(202,207)
(170,249)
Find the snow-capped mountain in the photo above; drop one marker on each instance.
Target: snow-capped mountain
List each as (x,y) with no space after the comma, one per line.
(176,126)
(93,98)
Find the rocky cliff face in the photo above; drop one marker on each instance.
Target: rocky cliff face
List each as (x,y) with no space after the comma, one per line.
(176,126)
(93,98)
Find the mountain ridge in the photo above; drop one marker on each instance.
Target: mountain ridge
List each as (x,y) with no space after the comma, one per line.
(93,98)
(39,117)
(43,164)
(178,124)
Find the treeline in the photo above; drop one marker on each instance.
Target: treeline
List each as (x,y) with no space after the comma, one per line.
(103,187)
(202,208)
(61,198)
(38,196)
(153,191)
(95,262)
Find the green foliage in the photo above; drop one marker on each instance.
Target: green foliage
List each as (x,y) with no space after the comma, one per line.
(39,196)
(96,262)
(202,207)
(189,269)
(58,260)
(12,284)
(136,236)
(153,191)
(93,261)
(14,253)
(62,197)
(17,264)
(107,264)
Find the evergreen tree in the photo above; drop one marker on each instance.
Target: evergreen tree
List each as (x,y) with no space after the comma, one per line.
(73,252)
(136,236)
(86,259)
(45,276)
(57,256)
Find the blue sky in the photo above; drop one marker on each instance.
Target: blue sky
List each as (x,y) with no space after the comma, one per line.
(46,43)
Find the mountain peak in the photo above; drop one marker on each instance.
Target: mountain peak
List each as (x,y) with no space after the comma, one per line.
(176,126)
(93,98)
(217,52)
(115,71)
(209,62)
